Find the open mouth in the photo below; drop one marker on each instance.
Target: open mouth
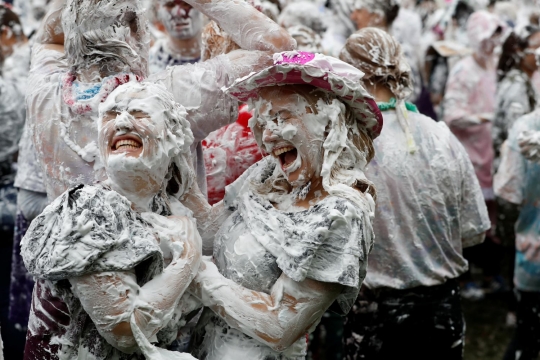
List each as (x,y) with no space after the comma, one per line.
(182,22)
(287,156)
(126,143)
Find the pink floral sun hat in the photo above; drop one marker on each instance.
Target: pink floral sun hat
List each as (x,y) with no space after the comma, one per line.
(324,72)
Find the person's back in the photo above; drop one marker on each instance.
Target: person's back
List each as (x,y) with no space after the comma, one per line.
(429,206)
(427,203)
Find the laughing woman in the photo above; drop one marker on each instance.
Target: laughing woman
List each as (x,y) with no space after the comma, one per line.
(293,233)
(121,253)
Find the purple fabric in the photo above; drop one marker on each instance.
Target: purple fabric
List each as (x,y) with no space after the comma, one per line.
(301,57)
(22,283)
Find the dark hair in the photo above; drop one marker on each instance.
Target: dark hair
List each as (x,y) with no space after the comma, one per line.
(10,20)
(512,50)
(391,13)
(462,12)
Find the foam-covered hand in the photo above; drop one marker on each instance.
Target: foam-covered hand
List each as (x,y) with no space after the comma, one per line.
(529,144)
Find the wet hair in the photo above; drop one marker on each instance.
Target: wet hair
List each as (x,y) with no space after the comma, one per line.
(389,9)
(99,31)
(512,50)
(380,57)
(462,12)
(9,20)
(180,176)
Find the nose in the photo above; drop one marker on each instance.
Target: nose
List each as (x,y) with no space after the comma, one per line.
(269,136)
(123,122)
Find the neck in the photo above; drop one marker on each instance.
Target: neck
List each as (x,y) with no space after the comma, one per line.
(380,92)
(315,194)
(185,47)
(141,200)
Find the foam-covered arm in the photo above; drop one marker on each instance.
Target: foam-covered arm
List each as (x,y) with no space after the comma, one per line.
(112,299)
(458,111)
(209,217)
(278,319)
(51,32)
(510,177)
(31,203)
(248,27)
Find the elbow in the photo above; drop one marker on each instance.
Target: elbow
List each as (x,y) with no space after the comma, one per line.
(121,337)
(280,342)
(285,343)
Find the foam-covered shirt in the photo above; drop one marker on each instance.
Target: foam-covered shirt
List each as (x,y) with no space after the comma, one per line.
(87,230)
(470,95)
(160,57)
(329,242)
(517,181)
(427,204)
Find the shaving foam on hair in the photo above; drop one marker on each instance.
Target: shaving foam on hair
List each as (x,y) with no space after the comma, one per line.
(107,33)
(165,134)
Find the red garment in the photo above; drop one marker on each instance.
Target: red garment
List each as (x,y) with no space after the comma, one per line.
(228,152)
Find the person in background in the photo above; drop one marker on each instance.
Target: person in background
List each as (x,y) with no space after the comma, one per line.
(429,207)
(340,26)
(375,13)
(516,96)
(469,108)
(406,26)
(182,41)
(516,181)
(86,50)
(13,43)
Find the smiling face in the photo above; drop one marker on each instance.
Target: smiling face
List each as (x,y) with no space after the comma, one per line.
(180,19)
(124,131)
(133,141)
(290,128)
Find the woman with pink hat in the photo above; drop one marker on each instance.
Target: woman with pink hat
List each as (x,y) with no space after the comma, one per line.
(293,233)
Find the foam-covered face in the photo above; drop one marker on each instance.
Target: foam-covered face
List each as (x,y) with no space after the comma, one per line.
(180,19)
(288,128)
(132,140)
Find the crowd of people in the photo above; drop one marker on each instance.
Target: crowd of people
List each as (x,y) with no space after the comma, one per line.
(216,179)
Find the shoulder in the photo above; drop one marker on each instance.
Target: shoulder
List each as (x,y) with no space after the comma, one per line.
(93,203)
(430,128)
(438,139)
